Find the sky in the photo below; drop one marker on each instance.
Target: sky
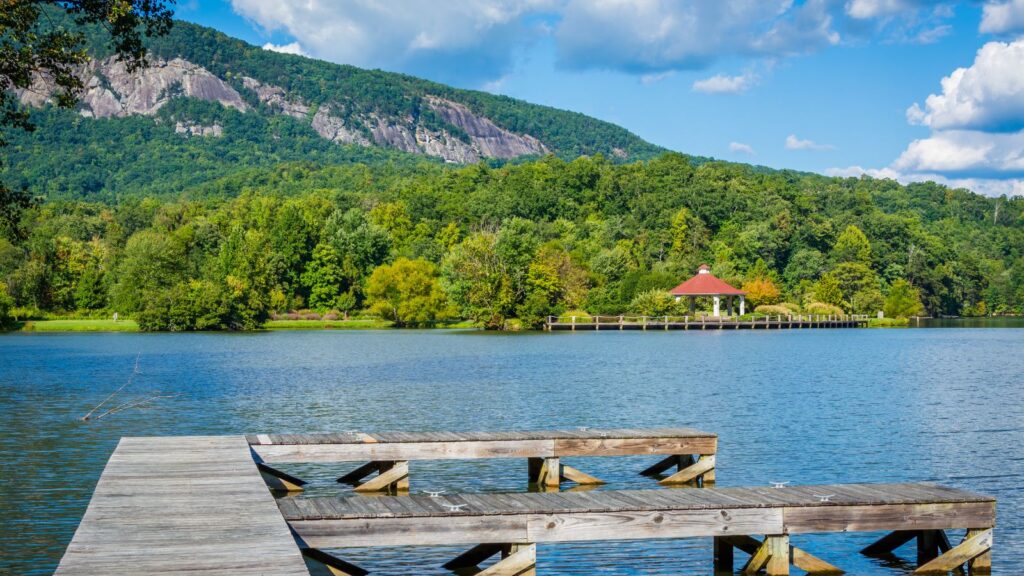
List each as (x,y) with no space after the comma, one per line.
(913,90)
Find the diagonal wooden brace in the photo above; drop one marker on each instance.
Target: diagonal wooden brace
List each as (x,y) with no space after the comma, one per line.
(976,544)
(516,559)
(890,542)
(798,557)
(333,565)
(279,481)
(356,476)
(703,469)
(394,476)
(568,473)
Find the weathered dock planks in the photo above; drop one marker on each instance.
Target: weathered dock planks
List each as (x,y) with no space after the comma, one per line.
(389,453)
(182,505)
(728,514)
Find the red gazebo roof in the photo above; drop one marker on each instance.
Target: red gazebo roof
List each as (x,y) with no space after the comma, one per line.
(705,284)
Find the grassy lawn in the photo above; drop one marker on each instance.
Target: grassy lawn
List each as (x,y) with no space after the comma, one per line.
(80,325)
(354,324)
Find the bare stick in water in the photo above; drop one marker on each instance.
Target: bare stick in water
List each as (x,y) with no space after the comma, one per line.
(89,414)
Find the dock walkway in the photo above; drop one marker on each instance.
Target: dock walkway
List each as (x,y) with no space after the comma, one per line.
(513,523)
(182,505)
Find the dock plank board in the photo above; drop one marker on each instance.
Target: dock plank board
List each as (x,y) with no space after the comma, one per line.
(182,505)
(639,514)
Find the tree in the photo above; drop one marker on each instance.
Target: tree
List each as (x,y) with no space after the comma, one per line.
(903,300)
(30,50)
(761,291)
(475,279)
(6,304)
(651,303)
(324,279)
(828,291)
(407,292)
(852,246)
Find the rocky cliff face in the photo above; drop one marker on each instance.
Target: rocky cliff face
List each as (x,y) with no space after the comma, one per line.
(111,91)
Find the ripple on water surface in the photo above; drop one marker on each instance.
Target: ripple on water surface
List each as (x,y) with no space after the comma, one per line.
(808,406)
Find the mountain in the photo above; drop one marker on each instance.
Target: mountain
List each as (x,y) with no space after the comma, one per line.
(209,104)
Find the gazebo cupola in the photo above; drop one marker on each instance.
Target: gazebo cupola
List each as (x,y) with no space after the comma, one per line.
(706,284)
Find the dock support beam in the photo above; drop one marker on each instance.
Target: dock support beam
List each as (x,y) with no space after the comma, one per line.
(279,481)
(393,476)
(701,470)
(324,563)
(795,556)
(934,553)
(549,473)
(516,560)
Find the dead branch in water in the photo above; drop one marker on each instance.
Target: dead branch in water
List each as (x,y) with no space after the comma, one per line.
(135,371)
(135,404)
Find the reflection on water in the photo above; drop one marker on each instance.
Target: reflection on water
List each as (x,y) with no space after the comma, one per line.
(806,406)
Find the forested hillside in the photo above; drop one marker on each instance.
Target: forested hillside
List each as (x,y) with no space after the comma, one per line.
(424,244)
(209,105)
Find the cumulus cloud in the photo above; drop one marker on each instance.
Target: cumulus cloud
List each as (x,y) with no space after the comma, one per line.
(965,151)
(794,143)
(650,36)
(292,48)
(722,84)
(741,148)
(988,95)
(464,39)
(1005,17)
(977,128)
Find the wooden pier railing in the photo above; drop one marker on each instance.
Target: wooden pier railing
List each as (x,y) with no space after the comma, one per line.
(626,322)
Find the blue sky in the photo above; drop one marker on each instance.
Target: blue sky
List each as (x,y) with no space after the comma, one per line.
(840,87)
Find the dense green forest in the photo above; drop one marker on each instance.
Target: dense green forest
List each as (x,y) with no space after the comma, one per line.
(509,245)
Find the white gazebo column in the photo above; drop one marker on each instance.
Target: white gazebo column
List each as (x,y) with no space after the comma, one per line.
(718,302)
(743,301)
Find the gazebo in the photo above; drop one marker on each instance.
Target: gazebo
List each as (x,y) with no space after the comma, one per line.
(706,284)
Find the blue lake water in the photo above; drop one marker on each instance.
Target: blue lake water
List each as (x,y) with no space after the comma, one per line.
(944,405)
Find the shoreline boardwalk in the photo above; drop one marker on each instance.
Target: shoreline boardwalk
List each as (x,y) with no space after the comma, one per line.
(198,505)
(796,321)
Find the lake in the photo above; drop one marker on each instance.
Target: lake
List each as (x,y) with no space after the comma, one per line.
(806,406)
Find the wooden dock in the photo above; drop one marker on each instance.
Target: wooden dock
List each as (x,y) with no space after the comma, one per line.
(691,452)
(182,505)
(796,321)
(512,524)
(199,505)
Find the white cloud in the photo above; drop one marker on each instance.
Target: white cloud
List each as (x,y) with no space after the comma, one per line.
(1005,17)
(741,148)
(292,48)
(794,143)
(648,36)
(867,9)
(456,38)
(977,128)
(988,95)
(722,84)
(648,79)
(950,151)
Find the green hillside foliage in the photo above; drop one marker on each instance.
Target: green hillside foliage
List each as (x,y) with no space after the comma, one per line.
(359,91)
(512,242)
